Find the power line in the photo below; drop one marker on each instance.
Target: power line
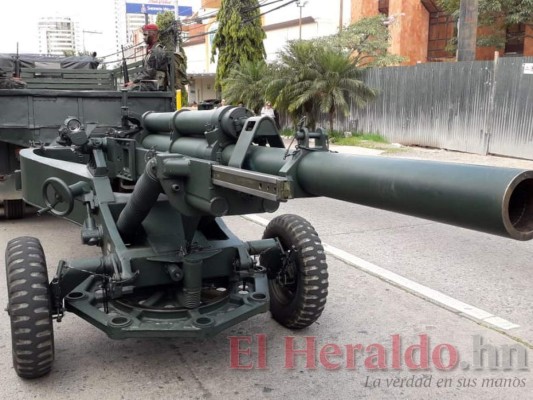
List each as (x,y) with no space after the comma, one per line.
(248,20)
(213,14)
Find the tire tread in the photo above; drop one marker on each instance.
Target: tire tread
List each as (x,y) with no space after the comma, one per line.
(310,298)
(29,303)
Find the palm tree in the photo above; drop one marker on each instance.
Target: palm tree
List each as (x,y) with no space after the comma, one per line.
(247,83)
(331,85)
(294,66)
(313,78)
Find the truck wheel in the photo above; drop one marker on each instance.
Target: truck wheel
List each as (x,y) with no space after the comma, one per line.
(14,209)
(29,308)
(298,279)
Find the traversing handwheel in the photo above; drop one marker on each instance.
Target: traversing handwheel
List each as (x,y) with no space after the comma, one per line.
(59,197)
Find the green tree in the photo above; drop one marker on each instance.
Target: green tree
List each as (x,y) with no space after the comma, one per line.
(368,41)
(497,14)
(170,38)
(294,66)
(313,78)
(167,33)
(239,37)
(247,83)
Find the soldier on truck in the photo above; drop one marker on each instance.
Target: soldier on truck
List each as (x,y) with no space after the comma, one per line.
(153,75)
(7,82)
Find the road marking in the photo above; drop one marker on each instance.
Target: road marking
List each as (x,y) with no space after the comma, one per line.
(425,292)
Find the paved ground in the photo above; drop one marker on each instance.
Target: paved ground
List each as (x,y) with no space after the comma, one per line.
(455,156)
(422,153)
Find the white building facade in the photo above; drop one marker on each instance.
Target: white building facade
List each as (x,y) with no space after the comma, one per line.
(301,19)
(59,34)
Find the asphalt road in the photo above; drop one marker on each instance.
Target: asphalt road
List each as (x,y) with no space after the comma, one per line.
(363,312)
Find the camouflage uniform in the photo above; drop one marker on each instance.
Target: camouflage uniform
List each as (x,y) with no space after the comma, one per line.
(153,75)
(10,83)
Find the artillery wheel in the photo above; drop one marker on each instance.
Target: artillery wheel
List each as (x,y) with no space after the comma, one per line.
(298,280)
(14,209)
(29,308)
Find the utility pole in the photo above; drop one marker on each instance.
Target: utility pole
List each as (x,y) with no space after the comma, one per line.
(145,12)
(177,26)
(177,10)
(466,38)
(300,5)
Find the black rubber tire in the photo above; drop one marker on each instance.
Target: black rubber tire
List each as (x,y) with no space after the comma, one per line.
(14,209)
(299,304)
(29,308)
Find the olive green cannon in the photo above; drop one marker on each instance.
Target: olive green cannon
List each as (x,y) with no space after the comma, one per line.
(152,199)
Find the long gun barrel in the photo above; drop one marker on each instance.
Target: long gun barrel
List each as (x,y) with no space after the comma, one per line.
(125,67)
(488,199)
(17,63)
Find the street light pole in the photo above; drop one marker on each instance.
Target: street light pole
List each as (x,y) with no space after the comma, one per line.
(340,16)
(300,5)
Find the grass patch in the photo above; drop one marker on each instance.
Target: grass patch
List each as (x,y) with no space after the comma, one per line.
(363,140)
(360,139)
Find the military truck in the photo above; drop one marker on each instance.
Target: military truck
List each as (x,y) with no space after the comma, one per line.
(58,88)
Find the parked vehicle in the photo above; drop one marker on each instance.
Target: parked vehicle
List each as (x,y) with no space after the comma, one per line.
(32,116)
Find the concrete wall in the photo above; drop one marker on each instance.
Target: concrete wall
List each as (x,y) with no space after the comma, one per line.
(410,31)
(362,9)
(528,41)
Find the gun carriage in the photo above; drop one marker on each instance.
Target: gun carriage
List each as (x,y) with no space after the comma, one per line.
(170,267)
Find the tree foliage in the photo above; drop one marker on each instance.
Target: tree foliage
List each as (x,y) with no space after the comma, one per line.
(247,83)
(170,38)
(313,78)
(167,34)
(239,37)
(498,14)
(368,41)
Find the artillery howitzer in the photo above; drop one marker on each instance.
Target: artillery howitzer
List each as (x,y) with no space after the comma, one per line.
(170,266)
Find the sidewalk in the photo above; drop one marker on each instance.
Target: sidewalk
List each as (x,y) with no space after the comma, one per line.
(422,153)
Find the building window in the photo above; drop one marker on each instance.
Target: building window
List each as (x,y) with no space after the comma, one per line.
(514,43)
(442,29)
(383,7)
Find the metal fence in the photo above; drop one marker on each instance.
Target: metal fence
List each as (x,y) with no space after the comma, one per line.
(478,107)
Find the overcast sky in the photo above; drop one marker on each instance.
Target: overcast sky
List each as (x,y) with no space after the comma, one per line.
(96,16)
(21,25)
(93,15)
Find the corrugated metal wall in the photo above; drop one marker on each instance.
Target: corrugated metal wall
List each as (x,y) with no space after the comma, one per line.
(475,107)
(512,119)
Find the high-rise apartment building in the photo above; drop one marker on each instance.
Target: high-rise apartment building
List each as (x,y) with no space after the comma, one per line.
(120,24)
(57,35)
